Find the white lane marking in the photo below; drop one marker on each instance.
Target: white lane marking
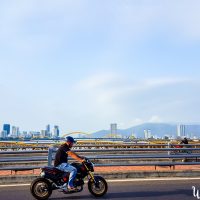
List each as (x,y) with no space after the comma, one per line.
(15,185)
(153,179)
(124,180)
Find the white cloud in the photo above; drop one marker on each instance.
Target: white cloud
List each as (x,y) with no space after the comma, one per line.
(98,93)
(114,96)
(155,119)
(92,103)
(136,121)
(97,81)
(159,82)
(111,86)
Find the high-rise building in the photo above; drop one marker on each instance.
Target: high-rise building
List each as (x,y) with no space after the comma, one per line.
(3,134)
(181,130)
(25,134)
(18,132)
(6,127)
(56,132)
(113,130)
(48,128)
(147,134)
(43,133)
(48,131)
(15,131)
(35,134)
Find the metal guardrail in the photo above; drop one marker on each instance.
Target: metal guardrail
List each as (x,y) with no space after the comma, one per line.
(107,157)
(105,150)
(52,150)
(22,152)
(125,145)
(18,158)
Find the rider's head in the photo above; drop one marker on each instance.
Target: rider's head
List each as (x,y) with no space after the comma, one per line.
(70,141)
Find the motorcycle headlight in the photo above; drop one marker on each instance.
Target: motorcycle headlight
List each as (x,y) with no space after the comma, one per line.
(42,174)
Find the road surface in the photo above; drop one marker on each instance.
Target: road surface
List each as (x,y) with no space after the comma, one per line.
(172,189)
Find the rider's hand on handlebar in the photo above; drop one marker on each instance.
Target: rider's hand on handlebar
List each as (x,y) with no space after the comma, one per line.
(82,159)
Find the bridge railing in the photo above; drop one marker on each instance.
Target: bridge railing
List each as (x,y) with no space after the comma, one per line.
(13,160)
(100,146)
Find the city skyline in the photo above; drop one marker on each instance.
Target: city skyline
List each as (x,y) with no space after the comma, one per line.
(84,64)
(146,131)
(13,131)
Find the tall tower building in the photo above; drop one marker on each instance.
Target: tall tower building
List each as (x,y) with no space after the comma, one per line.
(181,130)
(6,127)
(3,134)
(113,130)
(18,132)
(56,132)
(48,131)
(43,133)
(48,128)
(14,131)
(147,134)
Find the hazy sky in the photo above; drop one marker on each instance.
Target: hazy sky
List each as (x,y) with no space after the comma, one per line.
(83,64)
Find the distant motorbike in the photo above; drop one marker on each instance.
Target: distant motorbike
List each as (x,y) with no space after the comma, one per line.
(52,178)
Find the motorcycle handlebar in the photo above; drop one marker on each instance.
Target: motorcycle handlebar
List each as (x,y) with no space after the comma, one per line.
(85,159)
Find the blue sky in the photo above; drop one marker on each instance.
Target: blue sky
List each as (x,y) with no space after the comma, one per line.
(85,64)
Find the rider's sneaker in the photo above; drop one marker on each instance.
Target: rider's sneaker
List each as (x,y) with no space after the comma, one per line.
(72,189)
(64,186)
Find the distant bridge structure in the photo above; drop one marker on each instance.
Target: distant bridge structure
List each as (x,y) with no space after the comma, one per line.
(110,135)
(76,133)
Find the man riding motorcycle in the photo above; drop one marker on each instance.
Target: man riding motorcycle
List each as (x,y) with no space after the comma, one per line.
(64,175)
(61,160)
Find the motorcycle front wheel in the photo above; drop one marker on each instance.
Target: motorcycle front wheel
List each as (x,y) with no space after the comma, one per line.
(41,188)
(98,187)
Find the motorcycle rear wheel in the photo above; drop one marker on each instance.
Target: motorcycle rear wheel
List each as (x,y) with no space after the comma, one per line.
(41,188)
(99,187)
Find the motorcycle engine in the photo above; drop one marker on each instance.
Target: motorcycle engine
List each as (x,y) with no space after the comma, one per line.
(78,182)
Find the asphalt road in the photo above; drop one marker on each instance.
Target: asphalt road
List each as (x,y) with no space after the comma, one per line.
(137,190)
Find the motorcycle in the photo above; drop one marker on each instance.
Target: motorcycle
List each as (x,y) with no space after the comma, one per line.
(52,178)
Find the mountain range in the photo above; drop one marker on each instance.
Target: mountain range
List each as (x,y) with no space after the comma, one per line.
(157,129)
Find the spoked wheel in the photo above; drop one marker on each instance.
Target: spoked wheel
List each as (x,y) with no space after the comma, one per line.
(99,187)
(41,189)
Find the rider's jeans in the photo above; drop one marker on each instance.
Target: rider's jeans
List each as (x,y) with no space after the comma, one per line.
(68,168)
